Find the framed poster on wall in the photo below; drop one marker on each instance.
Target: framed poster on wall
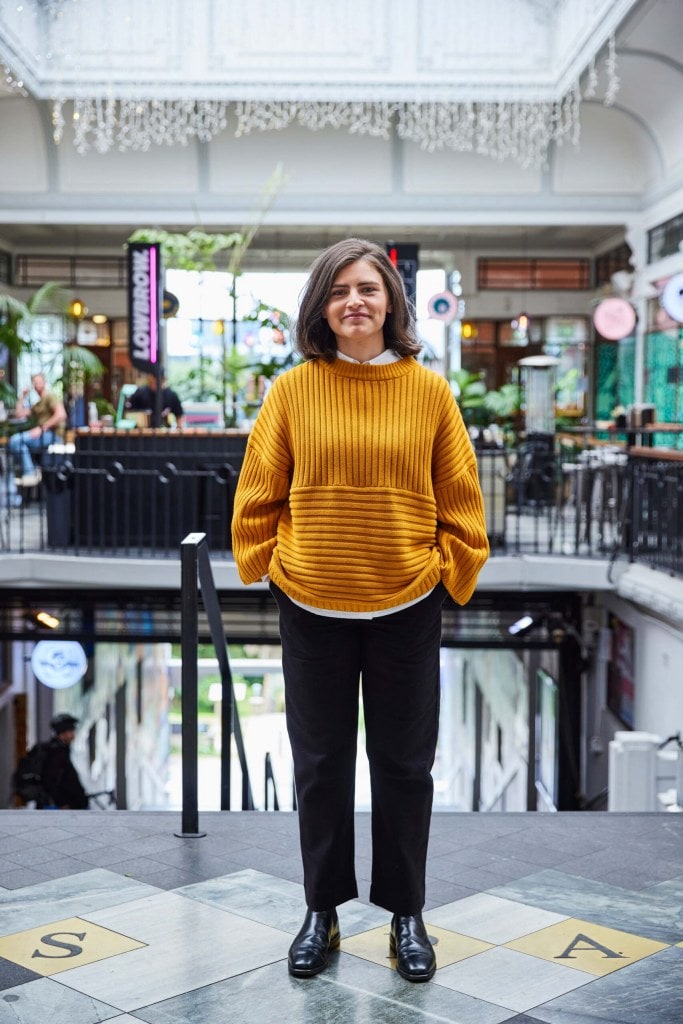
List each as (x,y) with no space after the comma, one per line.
(620,672)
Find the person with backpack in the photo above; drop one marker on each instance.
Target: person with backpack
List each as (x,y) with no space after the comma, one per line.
(46,773)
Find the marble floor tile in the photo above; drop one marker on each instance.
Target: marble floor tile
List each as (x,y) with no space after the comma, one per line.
(366,994)
(511,979)
(491,918)
(170,878)
(67,897)
(13,844)
(651,912)
(124,1018)
(76,845)
(47,1001)
(275,902)
(522,1018)
(440,892)
(188,945)
(647,993)
(587,947)
(449,948)
(36,831)
(12,974)
(31,857)
(61,945)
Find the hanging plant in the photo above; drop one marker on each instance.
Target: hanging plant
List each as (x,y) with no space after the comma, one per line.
(193,250)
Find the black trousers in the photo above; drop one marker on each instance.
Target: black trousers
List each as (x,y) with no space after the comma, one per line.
(396,660)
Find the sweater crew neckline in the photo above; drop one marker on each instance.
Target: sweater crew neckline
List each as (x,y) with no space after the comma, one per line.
(369,371)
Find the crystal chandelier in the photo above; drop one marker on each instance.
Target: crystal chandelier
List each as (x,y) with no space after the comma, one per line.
(501,80)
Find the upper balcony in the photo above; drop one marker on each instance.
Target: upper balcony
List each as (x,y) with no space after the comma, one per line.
(113,503)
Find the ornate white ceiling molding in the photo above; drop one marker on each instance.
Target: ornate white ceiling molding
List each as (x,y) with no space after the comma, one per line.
(495,78)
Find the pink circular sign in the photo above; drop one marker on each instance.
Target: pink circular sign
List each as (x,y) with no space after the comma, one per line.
(614,318)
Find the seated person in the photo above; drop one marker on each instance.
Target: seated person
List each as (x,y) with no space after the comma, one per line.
(44,417)
(144,400)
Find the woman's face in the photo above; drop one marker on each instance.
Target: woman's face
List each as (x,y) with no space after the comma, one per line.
(357,307)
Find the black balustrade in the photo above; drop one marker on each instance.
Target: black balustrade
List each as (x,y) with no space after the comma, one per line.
(139,493)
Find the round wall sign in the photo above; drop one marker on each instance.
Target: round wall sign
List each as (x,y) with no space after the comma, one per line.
(443,306)
(171,305)
(614,318)
(58,663)
(672,297)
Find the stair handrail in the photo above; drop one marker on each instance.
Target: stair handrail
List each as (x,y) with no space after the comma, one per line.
(197,577)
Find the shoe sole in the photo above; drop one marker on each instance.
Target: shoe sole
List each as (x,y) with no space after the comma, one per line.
(416,977)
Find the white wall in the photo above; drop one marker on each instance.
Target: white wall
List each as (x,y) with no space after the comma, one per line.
(658,686)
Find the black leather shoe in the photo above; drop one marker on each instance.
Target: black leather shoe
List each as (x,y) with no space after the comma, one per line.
(318,936)
(409,943)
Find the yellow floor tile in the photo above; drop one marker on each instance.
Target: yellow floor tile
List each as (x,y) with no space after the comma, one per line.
(449,946)
(587,947)
(62,945)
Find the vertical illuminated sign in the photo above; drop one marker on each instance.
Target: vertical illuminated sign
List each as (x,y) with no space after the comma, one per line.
(144,305)
(404,256)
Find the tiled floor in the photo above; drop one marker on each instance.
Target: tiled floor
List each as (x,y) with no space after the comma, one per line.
(563,919)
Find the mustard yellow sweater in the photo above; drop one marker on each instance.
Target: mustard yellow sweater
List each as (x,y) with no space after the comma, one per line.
(359,489)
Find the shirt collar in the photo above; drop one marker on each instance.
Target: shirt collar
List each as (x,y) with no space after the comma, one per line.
(388,356)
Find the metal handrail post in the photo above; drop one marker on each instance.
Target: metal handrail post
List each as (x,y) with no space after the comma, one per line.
(230,720)
(189,642)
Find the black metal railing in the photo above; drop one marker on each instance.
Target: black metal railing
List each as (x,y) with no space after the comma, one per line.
(196,578)
(589,503)
(653,530)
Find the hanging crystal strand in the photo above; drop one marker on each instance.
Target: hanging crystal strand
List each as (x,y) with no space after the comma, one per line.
(468,123)
(58,120)
(10,82)
(571,115)
(503,126)
(104,133)
(317,116)
(612,77)
(123,135)
(253,115)
(210,119)
(404,118)
(592,83)
(167,122)
(83,120)
(371,119)
(444,134)
(484,129)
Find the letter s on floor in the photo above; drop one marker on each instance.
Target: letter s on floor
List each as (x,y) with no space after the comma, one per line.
(51,940)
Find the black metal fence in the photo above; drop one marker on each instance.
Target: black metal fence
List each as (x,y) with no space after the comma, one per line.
(653,528)
(592,503)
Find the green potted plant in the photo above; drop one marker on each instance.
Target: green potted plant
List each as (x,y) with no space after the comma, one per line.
(16,320)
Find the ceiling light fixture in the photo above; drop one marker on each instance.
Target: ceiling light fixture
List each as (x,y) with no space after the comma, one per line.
(501,80)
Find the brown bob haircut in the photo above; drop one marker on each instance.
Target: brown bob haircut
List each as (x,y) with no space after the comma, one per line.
(314,339)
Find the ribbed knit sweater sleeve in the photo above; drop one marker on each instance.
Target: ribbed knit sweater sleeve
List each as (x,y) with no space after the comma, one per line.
(461,523)
(262,492)
(359,488)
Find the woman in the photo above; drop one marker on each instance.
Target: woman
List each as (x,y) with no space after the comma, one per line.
(359,500)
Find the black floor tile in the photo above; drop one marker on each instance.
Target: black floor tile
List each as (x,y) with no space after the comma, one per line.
(12,974)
